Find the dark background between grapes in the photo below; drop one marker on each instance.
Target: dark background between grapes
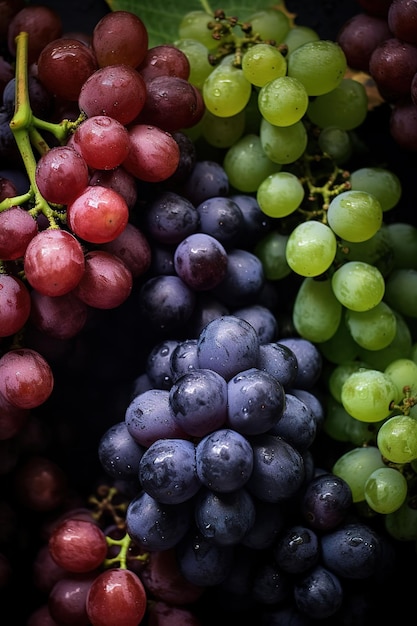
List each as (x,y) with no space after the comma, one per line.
(87,401)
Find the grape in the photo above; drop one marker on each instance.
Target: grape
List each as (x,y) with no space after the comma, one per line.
(355,467)
(318,593)
(367,394)
(221,218)
(398,285)
(77,588)
(283,144)
(197,55)
(61,317)
(318,65)
(106,282)
(170,217)
(117,598)
(262,319)
(166,302)
(206,180)
(26,379)
(247,165)
(61,174)
(326,502)
(165,60)
(193,25)
(404,374)
(280,361)
(397,439)
(271,251)
(102,141)
(78,546)
(297,549)
(133,248)
(280,194)
(201,561)
(15,305)
(335,142)
(283,101)
(316,296)
(311,248)
(380,182)
(297,424)
(309,361)
(226,90)
(358,286)
(243,281)
(385,490)
(360,547)
(222,132)
(120,37)
(359,36)
(147,144)
(401,523)
(43,25)
(373,329)
(345,106)
(355,215)
(162,578)
(392,65)
(119,453)
(263,63)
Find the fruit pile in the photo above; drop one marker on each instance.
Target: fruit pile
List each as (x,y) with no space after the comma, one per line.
(208,347)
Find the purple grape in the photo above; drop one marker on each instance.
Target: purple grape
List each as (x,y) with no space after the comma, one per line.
(351,551)
(262,319)
(184,358)
(169,217)
(319,593)
(297,424)
(201,261)
(297,549)
(158,364)
(207,179)
(326,501)
(118,452)
(309,361)
(280,361)
(166,303)
(243,281)
(221,218)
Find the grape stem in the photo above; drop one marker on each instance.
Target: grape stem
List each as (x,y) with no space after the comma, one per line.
(121,557)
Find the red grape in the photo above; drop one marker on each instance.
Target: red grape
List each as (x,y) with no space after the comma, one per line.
(133,248)
(102,141)
(61,317)
(154,154)
(107,281)
(116,598)
(165,60)
(77,545)
(26,379)
(42,23)
(61,174)
(120,37)
(17,228)
(14,305)
(402,20)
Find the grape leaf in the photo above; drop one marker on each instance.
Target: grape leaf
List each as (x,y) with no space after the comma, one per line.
(162,17)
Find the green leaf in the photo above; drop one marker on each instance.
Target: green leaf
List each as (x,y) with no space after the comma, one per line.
(162,17)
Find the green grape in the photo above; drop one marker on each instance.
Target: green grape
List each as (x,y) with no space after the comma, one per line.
(377,250)
(271,25)
(403,372)
(367,395)
(283,101)
(283,144)
(280,194)
(346,106)
(373,329)
(319,65)
(299,35)
(271,252)
(355,467)
(197,55)
(362,433)
(193,25)
(380,182)
(355,215)
(340,374)
(226,91)
(399,347)
(402,523)
(341,347)
(336,420)
(316,311)
(335,142)
(311,248)
(247,165)
(401,291)
(386,490)
(358,286)
(403,239)
(397,439)
(222,132)
(262,63)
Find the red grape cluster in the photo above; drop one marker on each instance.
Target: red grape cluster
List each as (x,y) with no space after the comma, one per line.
(382,41)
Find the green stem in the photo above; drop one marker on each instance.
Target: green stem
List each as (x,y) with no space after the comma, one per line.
(121,557)
(206,7)
(7,203)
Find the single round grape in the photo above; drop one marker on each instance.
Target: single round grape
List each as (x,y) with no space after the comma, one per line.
(316,310)
(263,63)
(298,35)
(15,305)
(335,142)
(283,101)
(78,545)
(397,439)
(283,144)
(319,65)
(222,132)
(61,174)
(358,286)
(355,215)
(346,106)
(367,395)
(373,329)
(117,597)
(355,467)
(386,490)
(384,184)
(197,55)
(226,91)
(247,165)
(280,194)
(193,25)
(102,141)
(270,24)
(120,37)
(311,248)
(271,251)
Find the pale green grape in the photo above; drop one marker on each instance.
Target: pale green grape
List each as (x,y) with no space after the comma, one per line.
(247,165)
(380,182)
(402,523)
(299,35)
(377,250)
(346,106)
(367,395)
(271,252)
(193,25)
(270,25)
(385,490)
(280,194)
(356,466)
(341,347)
(316,311)
(319,65)
(283,144)
(399,347)
(336,420)
(226,91)
(403,372)
(340,374)
(262,63)
(335,142)
(397,439)
(401,291)
(354,215)
(283,101)
(197,55)
(222,132)
(373,329)
(311,248)
(358,286)
(403,239)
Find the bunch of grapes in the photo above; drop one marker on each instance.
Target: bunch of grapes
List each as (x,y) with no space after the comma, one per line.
(208,373)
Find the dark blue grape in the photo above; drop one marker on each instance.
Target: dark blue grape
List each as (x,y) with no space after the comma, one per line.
(198,401)
(278,469)
(119,453)
(297,424)
(228,345)
(262,319)
(243,281)
(201,561)
(40,100)
(224,460)
(326,501)
(169,217)
(158,364)
(270,584)
(201,261)
(224,518)
(313,402)
(351,551)
(184,358)
(207,179)
(255,401)
(318,594)
(269,521)
(167,471)
(309,360)
(149,417)
(279,361)
(297,549)
(155,526)
(256,223)
(166,303)
(221,218)
(207,308)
